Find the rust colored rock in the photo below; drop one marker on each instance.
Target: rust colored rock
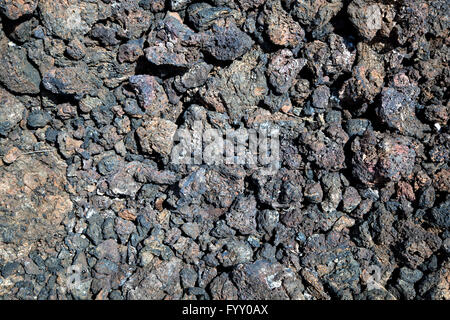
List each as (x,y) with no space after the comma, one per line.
(368,76)
(281,29)
(28,214)
(13,154)
(76,49)
(127,215)
(14,9)
(157,136)
(441,180)
(405,190)
(68,146)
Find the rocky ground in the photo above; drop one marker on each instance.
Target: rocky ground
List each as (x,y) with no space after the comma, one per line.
(92,93)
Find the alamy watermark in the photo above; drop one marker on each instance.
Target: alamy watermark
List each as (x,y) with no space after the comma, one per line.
(252,148)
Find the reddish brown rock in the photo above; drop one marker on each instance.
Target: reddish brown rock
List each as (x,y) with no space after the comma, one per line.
(368,76)
(441,180)
(157,136)
(14,9)
(68,145)
(13,154)
(281,29)
(151,94)
(34,202)
(127,215)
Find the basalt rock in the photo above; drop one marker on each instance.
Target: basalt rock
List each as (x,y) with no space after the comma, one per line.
(217,149)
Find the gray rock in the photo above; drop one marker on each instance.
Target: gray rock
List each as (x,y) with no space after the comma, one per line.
(38,119)
(11,112)
(17,73)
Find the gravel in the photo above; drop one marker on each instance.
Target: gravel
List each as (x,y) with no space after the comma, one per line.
(101,102)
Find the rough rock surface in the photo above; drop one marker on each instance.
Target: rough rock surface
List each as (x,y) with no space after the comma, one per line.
(224,149)
(17,73)
(11,112)
(15,9)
